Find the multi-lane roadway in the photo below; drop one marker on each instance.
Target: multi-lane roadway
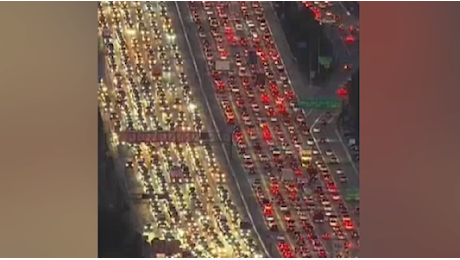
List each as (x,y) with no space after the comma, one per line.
(181,189)
(347,54)
(300,216)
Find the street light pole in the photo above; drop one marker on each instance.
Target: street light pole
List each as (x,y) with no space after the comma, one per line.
(319,42)
(309,67)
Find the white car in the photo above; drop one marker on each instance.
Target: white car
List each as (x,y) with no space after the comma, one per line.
(247,121)
(283,76)
(310,142)
(333,222)
(339,172)
(262,25)
(284,207)
(220,47)
(242,71)
(335,196)
(329,153)
(264,158)
(279,66)
(254,33)
(300,118)
(334,160)
(247,157)
(316,130)
(239,26)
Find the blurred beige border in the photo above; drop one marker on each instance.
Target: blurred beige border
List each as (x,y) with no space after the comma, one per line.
(48,186)
(48,104)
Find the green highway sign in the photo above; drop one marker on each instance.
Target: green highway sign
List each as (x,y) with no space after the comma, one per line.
(320,103)
(325,61)
(352,194)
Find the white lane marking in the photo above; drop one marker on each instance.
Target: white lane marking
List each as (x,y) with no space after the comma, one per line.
(282,61)
(217,129)
(284,36)
(327,164)
(356,171)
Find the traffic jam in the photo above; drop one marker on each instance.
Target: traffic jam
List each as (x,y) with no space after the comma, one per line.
(330,13)
(146,89)
(298,195)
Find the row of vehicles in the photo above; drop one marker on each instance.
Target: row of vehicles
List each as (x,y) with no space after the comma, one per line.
(297,193)
(331,13)
(183,188)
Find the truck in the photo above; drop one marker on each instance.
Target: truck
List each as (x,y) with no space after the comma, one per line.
(287,176)
(252,58)
(306,158)
(222,65)
(260,79)
(157,71)
(176,175)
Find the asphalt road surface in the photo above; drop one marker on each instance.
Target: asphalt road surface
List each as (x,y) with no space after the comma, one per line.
(148,90)
(222,105)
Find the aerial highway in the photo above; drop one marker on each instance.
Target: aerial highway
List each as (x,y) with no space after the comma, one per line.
(344,26)
(338,79)
(182,190)
(291,175)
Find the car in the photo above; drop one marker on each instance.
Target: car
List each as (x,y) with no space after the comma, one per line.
(335,196)
(339,172)
(322,253)
(311,142)
(283,76)
(333,221)
(284,207)
(334,160)
(322,140)
(300,118)
(343,179)
(250,23)
(329,153)
(201,32)
(262,24)
(242,71)
(316,130)
(279,64)
(209,56)
(238,25)
(272,224)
